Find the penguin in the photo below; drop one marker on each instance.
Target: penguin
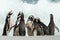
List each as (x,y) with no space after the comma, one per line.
(38,27)
(30,26)
(7,25)
(52,26)
(22,31)
(45,28)
(16,26)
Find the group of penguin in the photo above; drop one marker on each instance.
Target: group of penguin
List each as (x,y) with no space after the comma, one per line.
(32,24)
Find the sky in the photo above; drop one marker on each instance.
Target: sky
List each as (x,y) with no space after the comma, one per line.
(38,8)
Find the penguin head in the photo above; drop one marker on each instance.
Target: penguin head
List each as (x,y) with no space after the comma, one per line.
(19,14)
(51,16)
(37,20)
(9,14)
(31,17)
(22,15)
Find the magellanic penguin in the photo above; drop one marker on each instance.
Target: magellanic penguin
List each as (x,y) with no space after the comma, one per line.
(16,26)
(52,26)
(38,27)
(45,28)
(7,25)
(22,31)
(30,26)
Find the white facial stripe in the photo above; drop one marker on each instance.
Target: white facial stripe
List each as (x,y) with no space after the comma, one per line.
(19,19)
(19,16)
(17,23)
